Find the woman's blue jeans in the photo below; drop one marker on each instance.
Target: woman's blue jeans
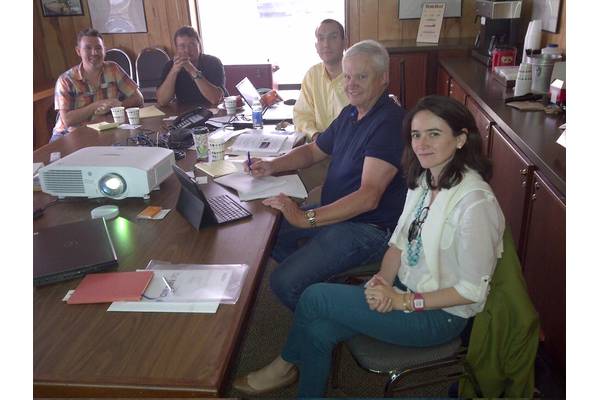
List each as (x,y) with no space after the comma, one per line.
(331,313)
(329,250)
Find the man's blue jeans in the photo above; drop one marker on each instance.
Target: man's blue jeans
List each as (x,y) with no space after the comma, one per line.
(330,250)
(330,313)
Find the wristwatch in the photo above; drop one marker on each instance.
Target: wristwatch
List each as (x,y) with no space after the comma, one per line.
(418,302)
(198,75)
(311,217)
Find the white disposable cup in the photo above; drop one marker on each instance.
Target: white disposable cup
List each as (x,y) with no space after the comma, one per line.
(118,114)
(216,147)
(230,104)
(133,114)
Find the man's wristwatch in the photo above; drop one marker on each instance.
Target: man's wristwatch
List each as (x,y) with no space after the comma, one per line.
(418,302)
(198,75)
(311,217)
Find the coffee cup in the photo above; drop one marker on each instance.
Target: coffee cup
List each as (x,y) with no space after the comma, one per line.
(231,104)
(133,114)
(118,114)
(216,147)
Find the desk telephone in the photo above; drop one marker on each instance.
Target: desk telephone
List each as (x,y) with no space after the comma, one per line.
(193,118)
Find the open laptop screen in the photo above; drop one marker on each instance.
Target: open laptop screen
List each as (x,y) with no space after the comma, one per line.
(248,91)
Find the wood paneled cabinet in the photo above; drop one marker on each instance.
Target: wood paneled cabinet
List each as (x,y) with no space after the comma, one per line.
(447,86)
(443,82)
(511,181)
(484,123)
(415,76)
(544,265)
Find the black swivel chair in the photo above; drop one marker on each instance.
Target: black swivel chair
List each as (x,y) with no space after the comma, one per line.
(121,58)
(149,66)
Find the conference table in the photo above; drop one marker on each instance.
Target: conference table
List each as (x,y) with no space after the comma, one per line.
(85,351)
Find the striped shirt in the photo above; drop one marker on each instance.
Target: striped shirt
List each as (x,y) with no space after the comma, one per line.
(72,91)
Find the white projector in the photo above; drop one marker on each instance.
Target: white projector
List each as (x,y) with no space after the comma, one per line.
(108,171)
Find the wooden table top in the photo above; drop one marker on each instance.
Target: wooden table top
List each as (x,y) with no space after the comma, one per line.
(84,351)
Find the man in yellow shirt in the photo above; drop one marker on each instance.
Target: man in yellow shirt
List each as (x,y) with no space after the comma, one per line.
(322,96)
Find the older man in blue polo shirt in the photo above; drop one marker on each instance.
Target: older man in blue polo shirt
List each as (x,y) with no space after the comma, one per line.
(364,190)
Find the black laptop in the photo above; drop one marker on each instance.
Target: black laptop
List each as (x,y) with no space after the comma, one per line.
(201,211)
(71,250)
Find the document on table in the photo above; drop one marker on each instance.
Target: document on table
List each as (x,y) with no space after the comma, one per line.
(151,111)
(181,291)
(259,142)
(251,188)
(219,168)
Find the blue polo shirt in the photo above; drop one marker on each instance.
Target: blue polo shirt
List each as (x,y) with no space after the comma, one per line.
(348,141)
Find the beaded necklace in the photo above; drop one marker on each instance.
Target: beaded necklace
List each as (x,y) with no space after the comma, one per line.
(415,243)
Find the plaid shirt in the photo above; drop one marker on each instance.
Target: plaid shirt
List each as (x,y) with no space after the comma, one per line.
(72,91)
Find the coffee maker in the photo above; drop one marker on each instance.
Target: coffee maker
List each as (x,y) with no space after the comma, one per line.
(499,27)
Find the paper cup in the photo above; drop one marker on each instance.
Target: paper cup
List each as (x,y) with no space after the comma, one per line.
(230,104)
(201,142)
(118,114)
(133,114)
(216,148)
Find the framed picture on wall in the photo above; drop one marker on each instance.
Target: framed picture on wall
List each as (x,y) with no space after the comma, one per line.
(60,8)
(118,16)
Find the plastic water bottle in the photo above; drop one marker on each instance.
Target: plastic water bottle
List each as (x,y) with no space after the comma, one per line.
(257,121)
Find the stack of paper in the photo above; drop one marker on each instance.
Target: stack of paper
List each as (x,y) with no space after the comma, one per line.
(251,188)
(152,111)
(263,143)
(218,168)
(102,126)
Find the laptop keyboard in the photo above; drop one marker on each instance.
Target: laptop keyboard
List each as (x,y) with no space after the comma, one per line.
(226,209)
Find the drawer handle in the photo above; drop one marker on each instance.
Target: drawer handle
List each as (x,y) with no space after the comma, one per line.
(523,172)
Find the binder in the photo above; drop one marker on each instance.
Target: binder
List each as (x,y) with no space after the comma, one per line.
(111,286)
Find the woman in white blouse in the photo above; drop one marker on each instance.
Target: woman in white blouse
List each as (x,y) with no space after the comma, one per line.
(435,274)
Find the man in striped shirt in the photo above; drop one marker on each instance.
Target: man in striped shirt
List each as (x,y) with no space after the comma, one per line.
(91,88)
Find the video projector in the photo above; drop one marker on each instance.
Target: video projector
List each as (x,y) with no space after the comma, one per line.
(108,171)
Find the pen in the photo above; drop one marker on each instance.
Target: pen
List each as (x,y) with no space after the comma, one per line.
(167,283)
(249,162)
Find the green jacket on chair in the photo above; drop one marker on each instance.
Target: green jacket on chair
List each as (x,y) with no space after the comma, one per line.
(504,340)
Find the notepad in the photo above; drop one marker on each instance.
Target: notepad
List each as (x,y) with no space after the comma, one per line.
(102,126)
(111,286)
(217,168)
(152,111)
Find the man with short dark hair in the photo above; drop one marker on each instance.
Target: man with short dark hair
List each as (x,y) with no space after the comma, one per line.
(91,88)
(191,76)
(322,94)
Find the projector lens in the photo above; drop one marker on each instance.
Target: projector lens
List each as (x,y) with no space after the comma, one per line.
(112,185)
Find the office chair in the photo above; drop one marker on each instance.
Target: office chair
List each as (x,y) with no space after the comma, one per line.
(149,66)
(460,359)
(121,58)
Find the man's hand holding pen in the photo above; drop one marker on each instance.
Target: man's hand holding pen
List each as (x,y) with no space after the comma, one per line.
(258,167)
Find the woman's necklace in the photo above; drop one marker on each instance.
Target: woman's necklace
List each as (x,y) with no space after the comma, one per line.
(415,243)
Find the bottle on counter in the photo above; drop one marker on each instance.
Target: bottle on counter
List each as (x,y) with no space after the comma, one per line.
(257,121)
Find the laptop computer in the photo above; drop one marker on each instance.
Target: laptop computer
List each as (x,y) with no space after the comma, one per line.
(201,211)
(71,250)
(249,93)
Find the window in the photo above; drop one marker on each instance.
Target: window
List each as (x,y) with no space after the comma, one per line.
(280,32)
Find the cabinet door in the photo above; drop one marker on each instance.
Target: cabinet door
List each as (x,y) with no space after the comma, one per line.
(443,82)
(457,92)
(544,266)
(415,67)
(484,123)
(511,181)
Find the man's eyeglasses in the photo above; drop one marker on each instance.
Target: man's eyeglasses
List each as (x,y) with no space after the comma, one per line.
(414,231)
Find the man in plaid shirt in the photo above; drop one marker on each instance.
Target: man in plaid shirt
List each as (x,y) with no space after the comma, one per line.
(91,88)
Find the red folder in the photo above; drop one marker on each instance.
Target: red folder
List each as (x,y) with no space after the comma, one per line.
(111,286)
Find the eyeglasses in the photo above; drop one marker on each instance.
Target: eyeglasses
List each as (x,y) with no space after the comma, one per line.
(414,231)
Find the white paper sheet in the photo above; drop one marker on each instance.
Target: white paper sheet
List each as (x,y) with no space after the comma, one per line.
(209,307)
(292,186)
(246,184)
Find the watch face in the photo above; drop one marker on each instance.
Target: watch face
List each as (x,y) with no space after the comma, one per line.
(419,303)
(310,214)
